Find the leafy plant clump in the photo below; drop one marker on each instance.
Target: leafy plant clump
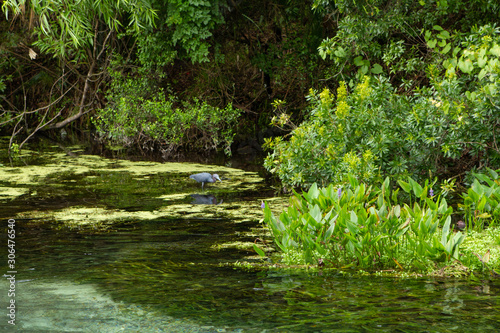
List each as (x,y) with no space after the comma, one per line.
(373,131)
(138,113)
(365,227)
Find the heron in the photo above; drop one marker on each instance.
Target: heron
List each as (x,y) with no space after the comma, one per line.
(205,177)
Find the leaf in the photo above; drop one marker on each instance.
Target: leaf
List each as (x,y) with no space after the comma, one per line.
(446,231)
(259,251)
(313,192)
(481,204)
(493,173)
(495,50)
(428,35)
(446,49)
(316,214)
(465,66)
(481,61)
(444,34)
(377,69)
(482,73)
(484,178)
(405,186)
(432,205)
(432,43)
(417,189)
(340,52)
(330,230)
(358,61)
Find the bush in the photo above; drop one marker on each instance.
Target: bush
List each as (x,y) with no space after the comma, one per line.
(137,113)
(373,132)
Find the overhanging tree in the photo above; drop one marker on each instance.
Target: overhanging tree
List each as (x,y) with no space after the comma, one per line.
(82,36)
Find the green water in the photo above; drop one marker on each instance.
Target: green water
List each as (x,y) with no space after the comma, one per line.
(116,246)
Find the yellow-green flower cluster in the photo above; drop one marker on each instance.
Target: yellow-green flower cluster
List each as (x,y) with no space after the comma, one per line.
(342,106)
(364,89)
(352,160)
(326,98)
(341,91)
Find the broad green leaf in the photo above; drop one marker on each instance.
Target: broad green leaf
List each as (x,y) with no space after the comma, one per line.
(495,50)
(465,66)
(340,52)
(432,43)
(432,205)
(330,230)
(481,61)
(377,69)
(482,203)
(313,191)
(428,35)
(444,34)
(493,173)
(316,214)
(358,61)
(482,73)
(416,187)
(446,231)
(446,49)
(405,186)
(484,178)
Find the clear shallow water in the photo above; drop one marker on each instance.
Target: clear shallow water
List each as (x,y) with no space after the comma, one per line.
(168,272)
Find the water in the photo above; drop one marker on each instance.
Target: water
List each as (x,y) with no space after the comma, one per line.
(116,246)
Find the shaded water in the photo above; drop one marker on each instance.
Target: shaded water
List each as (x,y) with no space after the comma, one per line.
(116,246)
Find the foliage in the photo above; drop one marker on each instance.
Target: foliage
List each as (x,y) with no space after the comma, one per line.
(365,227)
(371,34)
(81,35)
(480,251)
(482,200)
(184,28)
(139,112)
(69,28)
(374,129)
(323,148)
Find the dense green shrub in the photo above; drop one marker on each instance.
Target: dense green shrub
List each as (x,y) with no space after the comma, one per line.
(371,34)
(375,131)
(138,112)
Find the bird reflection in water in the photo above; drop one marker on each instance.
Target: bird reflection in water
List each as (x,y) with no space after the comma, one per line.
(205,199)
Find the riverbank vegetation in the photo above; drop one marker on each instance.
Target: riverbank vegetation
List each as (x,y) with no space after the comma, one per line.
(382,101)
(376,229)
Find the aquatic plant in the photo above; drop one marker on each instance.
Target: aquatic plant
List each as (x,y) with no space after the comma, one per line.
(482,200)
(366,227)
